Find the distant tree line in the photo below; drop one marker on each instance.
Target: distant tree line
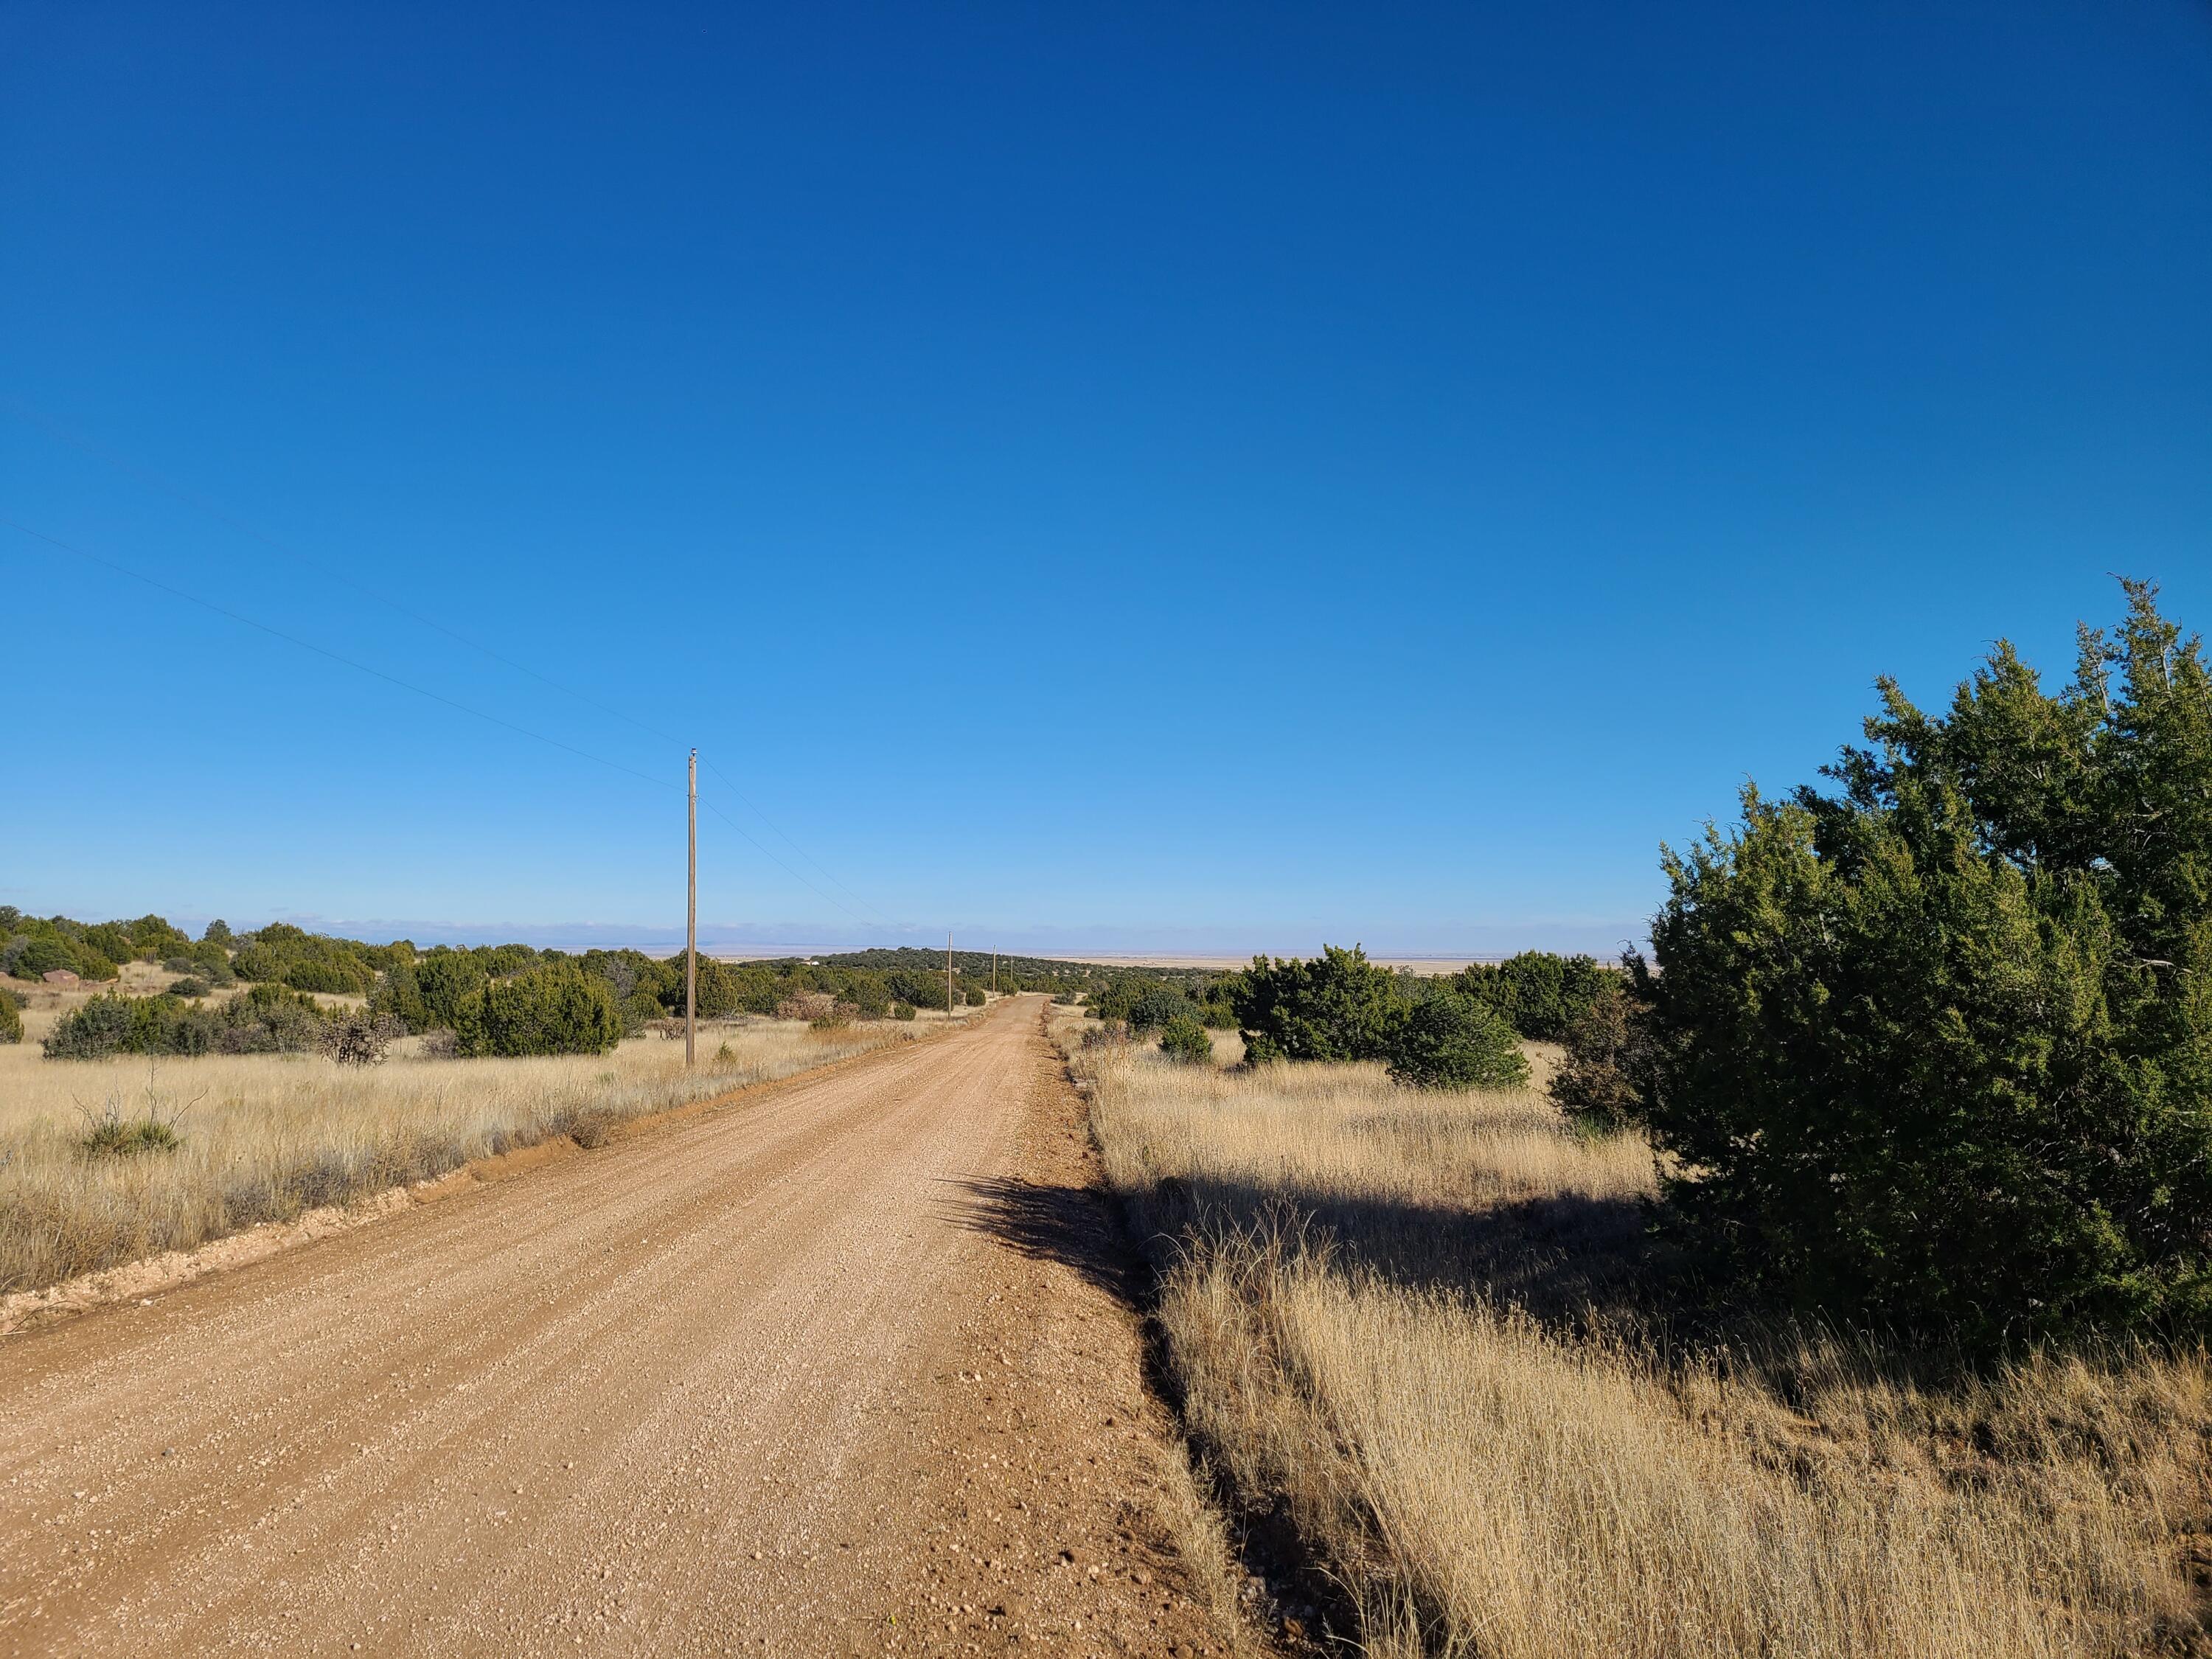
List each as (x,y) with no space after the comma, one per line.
(494,999)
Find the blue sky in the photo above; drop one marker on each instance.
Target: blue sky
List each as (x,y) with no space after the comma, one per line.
(1144,477)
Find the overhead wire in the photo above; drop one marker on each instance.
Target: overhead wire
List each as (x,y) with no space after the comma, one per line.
(175,591)
(825,898)
(110,457)
(801,851)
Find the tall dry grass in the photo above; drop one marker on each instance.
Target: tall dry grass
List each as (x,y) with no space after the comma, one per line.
(1423,1330)
(265,1136)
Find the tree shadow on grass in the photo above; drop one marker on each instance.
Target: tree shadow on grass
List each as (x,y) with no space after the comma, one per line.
(1562,1258)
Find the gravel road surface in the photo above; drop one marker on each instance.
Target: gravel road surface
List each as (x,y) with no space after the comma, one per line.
(844,1366)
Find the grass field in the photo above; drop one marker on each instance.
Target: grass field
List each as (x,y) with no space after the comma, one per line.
(265,1137)
(1423,1331)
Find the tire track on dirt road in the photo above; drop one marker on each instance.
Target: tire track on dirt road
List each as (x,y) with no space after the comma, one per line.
(689,1393)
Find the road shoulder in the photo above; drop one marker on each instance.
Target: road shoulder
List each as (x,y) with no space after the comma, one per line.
(1066,1517)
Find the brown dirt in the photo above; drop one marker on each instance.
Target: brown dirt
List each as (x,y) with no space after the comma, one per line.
(844,1368)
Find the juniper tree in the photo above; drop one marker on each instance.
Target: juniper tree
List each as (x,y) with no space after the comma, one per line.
(1936,1045)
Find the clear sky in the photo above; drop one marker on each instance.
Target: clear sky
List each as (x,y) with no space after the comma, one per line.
(1149,475)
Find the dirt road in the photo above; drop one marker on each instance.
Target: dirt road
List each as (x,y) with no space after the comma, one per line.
(838,1369)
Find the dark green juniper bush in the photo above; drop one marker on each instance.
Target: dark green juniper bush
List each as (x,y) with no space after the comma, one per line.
(1183,1039)
(1448,1040)
(1936,1045)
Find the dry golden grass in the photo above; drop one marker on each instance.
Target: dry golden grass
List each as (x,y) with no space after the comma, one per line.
(1419,1327)
(263,1137)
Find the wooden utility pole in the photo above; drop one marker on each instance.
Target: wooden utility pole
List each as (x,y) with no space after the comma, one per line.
(948,973)
(691,928)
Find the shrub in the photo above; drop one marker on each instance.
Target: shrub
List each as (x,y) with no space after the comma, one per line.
(1217,1015)
(1153,1005)
(1448,1040)
(1539,994)
(902,1010)
(726,988)
(332,976)
(555,1008)
(1338,1005)
(11,1017)
(47,948)
(153,937)
(1594,1084)
(503,961)
(188,987)
(428,995)
(1184,1039)
(267,1020)
(359,1039)
(1936,1048)
(283,954)
(399,995)
(869,994)
(112,940)
(973,997)
(208,961)
(114,1136)
(445,981)
(113,1023)
(918,985)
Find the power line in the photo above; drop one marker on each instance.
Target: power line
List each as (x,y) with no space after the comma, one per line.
(146,475)
(421,691)
(780,865)
(176,492)
(305,644)
(802,853)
